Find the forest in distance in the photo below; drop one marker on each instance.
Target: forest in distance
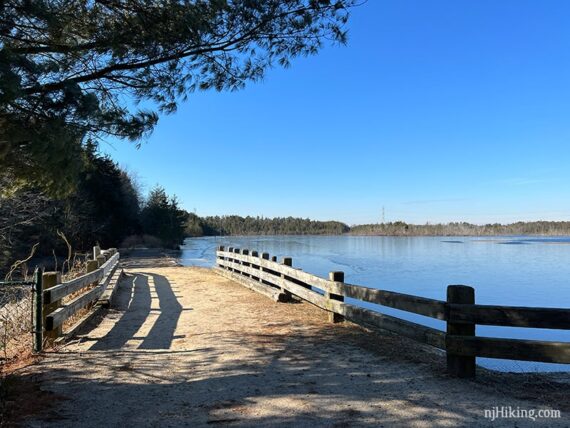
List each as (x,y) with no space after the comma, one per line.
(237,225)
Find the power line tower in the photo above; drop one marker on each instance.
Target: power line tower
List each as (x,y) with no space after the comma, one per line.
(383,215)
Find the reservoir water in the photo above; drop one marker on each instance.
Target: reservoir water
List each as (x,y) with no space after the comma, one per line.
(514,271)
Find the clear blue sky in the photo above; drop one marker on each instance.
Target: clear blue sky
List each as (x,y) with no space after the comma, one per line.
(436,110)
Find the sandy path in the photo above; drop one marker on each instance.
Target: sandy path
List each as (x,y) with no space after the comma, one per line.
(186,347)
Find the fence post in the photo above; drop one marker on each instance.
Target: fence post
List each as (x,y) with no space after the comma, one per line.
(220,248)
(245,252)
(255,254)
(286,261)
(460,365)
(264,256)
(337,277)
(236,261)
(92,265)
(229,259)
(96,252)
(38,315)
(51,279)
(101,260)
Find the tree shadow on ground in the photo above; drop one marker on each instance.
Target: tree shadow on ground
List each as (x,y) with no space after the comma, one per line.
(136,300)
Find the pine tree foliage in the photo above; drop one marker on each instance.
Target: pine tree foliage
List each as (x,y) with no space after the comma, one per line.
(162,217)
(68,68)
(105,209)
(237,225)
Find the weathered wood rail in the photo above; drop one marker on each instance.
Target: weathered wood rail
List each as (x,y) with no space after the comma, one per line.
(93,287)
(281,280)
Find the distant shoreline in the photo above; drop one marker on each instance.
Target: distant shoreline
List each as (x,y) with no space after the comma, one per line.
(250,226)
(389,235)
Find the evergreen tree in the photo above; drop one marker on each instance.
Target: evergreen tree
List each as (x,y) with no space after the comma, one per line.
(104,209)
(163,218)
(236,225)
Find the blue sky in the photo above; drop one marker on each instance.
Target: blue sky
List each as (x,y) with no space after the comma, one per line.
(436,110)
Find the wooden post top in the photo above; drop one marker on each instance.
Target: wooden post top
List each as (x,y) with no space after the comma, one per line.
(92,265)
(49,279)
(287,261)
(336,276)
(101,260)
(265,256)
(460,294)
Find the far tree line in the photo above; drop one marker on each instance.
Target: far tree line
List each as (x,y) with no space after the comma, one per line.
(400,228)
(236,225)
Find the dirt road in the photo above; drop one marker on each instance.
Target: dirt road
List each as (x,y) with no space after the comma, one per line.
(186,347)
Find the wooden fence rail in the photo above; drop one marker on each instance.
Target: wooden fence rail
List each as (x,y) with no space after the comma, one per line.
(51,313)
(279,281)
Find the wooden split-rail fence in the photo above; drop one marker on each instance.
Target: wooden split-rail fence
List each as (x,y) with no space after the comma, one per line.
(280,280)
(95,287)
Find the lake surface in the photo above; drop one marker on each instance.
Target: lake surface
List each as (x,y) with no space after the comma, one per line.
(515,271)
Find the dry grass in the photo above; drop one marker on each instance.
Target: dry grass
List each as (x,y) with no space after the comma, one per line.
(15,321)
